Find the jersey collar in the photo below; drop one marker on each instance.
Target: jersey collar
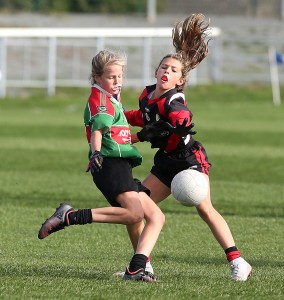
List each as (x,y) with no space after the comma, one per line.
(117,101)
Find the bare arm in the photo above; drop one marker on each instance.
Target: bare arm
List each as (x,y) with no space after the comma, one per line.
(96,140)
(96,158)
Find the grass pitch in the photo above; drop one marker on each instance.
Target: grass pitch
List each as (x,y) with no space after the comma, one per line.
(43,155)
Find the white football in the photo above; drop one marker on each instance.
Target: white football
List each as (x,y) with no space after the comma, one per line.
(189,187)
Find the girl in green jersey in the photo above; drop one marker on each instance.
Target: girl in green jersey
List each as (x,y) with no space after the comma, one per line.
(112,157)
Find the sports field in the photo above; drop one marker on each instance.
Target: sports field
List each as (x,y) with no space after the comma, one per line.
(43,154)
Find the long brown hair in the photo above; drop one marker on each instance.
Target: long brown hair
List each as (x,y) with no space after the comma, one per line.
(189,39)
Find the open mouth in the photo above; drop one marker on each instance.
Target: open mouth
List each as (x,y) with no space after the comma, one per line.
(117,88)
(164,78)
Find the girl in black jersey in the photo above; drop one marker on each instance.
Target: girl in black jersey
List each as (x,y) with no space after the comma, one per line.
(178,151)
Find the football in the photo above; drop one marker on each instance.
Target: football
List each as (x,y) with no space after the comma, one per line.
(189,187)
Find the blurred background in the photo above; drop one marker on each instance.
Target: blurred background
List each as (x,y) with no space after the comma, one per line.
(60,51)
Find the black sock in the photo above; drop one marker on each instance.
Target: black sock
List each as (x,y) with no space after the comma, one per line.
(80,217)
(138,261)
(228,250)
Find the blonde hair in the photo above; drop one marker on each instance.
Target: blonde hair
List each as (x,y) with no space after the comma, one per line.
(189,39)
(105,58)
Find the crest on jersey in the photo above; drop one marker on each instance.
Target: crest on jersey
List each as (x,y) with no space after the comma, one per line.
(102,108)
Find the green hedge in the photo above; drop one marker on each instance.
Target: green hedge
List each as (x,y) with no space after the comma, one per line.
(77,6)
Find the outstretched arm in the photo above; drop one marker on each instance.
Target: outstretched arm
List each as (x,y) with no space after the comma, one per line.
(134,117)
(181,129)
(152,130)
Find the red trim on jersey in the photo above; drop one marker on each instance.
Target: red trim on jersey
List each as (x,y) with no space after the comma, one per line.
(88,130)
(179,116)
(134,117)
(172,142)
(170,107)
(97,100)
(143,94)
(161,107)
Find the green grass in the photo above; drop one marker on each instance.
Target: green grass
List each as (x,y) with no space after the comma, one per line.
(43,155)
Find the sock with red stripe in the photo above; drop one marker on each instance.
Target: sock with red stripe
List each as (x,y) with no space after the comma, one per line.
(232,253)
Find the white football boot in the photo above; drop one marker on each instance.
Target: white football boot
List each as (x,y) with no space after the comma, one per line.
(240,269)
(148,269)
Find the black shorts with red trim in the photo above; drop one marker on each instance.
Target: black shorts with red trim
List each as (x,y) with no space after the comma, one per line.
(167,165)
(115,178)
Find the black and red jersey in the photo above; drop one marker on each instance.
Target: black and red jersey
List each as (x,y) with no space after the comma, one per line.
(170,107)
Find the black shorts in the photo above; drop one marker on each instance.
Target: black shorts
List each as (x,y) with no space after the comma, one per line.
(115,178)
(167,165)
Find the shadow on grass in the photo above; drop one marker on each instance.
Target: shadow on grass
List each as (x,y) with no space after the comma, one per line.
(202,260)
(71,271)
(258,212)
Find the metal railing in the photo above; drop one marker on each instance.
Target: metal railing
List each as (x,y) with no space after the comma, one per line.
(54,57)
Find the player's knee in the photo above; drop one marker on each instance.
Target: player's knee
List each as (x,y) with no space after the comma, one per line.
(161,218)
(157,218)
(135,217)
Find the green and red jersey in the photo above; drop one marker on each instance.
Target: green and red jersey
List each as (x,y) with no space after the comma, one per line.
(103,111)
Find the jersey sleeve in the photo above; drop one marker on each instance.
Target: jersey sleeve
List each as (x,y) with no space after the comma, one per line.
(98,116)
(134,117)
(177,110)
(100,121)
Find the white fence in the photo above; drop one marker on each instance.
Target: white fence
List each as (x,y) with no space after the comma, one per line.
(54,57)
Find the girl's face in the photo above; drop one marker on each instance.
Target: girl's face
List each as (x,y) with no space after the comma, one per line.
(169,74)
(111,79)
